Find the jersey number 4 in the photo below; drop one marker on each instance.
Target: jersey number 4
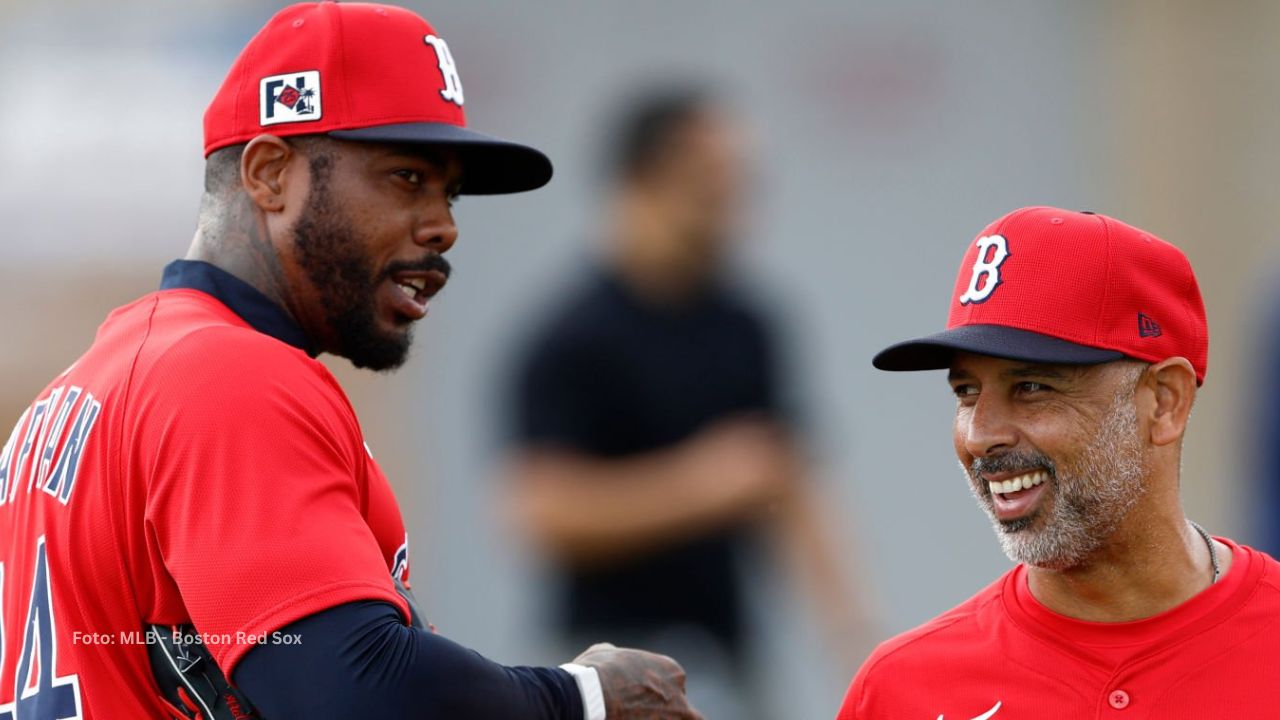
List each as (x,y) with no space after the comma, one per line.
(39,694)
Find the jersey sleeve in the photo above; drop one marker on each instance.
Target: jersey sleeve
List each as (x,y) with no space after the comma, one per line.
(255,484)
(358,661)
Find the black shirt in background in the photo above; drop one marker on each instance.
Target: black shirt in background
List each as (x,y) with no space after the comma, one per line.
(612,376)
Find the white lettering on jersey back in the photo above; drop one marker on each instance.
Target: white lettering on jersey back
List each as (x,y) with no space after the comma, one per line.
(47,443)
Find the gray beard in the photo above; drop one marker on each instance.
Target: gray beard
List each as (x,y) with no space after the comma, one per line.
(1087,496)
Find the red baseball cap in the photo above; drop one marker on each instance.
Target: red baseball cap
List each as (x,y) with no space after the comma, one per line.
(362,72)
(1047,285)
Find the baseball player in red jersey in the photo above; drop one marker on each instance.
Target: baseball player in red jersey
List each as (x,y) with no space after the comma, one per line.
(192,524)
(1075,347)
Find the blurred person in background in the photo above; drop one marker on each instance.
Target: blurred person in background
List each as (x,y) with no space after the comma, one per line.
(652,442)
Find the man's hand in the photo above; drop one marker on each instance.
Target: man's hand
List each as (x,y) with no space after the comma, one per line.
(639,685)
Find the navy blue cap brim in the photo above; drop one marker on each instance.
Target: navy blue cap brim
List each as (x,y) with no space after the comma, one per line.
(935,352)
(490,166)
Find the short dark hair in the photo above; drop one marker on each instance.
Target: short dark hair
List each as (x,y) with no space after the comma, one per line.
(649,125)
(222,169)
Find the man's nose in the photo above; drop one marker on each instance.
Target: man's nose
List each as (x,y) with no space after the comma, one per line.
(988,427)
(436,232)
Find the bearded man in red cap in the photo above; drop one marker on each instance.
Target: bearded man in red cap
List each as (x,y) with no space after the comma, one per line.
(193,525)
(1075,347)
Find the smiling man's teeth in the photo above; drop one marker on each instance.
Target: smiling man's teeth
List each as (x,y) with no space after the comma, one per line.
(1022,482)
(412,286)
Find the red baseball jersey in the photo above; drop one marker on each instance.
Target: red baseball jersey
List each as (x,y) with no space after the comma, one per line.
(186,469)
(1004,656)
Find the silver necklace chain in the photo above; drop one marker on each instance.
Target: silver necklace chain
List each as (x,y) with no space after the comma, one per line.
(1213,551)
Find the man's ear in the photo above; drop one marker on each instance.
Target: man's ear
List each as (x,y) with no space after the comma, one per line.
(1173,382)
(264,171)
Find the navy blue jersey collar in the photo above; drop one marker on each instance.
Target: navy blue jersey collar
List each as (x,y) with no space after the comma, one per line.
(244,300)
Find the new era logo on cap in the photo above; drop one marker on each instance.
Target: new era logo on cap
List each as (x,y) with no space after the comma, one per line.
(1147,327)
(289,98)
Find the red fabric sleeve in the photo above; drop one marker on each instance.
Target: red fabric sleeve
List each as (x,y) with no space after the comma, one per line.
(256,484)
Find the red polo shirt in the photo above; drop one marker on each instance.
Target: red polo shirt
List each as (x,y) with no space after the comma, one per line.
(1003,656)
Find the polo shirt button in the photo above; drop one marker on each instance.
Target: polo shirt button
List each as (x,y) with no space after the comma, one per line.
(1119,699)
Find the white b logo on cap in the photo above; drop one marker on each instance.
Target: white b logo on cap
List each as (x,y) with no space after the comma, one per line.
(452,83)
(986,270)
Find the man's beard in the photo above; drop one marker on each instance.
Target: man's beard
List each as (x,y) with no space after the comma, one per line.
(1086,497)
(330,251)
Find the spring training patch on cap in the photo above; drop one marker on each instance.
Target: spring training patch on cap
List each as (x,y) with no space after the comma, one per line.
(289,98)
